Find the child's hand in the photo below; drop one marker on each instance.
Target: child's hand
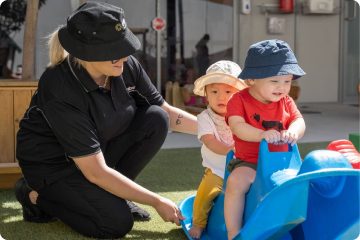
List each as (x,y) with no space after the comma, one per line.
(289,137)
(271,136)
(232,148)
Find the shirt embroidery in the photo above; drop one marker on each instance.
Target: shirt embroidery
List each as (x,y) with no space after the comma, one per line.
(130,89)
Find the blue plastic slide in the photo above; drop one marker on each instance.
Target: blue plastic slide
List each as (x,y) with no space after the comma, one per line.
(318,199)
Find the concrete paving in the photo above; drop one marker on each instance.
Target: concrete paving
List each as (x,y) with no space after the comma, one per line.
(324,122)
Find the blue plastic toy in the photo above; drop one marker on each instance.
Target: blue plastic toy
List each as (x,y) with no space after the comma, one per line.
(318,199)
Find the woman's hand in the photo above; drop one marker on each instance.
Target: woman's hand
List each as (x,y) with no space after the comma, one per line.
(168,211)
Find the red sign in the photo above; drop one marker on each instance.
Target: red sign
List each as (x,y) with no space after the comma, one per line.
(158,24)
(286,6)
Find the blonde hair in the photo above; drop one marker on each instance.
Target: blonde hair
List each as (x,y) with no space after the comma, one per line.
(57,53)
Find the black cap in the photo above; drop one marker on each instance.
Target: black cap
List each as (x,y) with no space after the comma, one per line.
(98,32)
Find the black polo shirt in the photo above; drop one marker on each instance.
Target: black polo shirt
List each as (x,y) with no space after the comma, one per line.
(70,116)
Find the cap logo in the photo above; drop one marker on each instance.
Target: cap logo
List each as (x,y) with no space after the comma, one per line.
(118,27)
(123,23)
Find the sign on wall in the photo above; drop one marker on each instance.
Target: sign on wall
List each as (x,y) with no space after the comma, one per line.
(158,24)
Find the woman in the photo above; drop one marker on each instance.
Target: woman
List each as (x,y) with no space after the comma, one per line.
(94,123)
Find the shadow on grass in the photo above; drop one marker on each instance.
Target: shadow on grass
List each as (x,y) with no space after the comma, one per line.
(173,170)
(26,230)
(174,234)
(12,225)
(306,148)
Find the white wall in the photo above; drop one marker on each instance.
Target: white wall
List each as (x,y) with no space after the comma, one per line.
(317,47)
(318,53)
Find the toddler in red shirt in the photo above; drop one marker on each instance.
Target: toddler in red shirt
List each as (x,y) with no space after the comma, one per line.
(262,111)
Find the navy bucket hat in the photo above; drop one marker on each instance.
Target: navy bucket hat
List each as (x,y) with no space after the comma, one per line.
(270,58)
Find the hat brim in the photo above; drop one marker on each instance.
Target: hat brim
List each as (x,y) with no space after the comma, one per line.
(211,78)
(270,71)
(99,52)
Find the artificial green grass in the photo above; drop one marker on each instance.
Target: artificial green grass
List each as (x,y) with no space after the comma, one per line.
(173,173)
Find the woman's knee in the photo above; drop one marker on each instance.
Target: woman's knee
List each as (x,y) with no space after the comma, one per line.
(156,123)
(117,227)
(158,117)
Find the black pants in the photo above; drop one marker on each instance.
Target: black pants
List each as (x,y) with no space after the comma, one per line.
(91,210)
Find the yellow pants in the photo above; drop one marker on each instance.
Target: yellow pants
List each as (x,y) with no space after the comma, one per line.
(210,187)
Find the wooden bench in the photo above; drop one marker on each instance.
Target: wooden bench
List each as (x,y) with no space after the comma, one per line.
(9,174)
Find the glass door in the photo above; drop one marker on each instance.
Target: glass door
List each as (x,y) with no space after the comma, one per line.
(350,52)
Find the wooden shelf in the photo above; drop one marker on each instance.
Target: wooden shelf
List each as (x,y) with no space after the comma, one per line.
(15,97)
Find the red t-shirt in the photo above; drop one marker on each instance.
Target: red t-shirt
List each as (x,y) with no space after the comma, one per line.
(276,115)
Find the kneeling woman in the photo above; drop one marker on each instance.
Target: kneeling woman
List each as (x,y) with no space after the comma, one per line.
(94,123)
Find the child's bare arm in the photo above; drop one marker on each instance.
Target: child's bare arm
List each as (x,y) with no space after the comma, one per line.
(295,132)
(246,132)
(243,130)
(215,145)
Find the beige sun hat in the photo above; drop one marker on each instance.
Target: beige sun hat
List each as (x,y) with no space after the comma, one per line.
(220,72)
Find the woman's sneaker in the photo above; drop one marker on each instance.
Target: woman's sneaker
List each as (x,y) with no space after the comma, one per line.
(139,214)
(31,212)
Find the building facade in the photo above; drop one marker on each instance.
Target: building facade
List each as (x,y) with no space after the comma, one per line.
(201,32)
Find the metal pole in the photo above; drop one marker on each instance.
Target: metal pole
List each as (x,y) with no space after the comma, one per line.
(235,40)
(297,10)
(158,51)
(181,23)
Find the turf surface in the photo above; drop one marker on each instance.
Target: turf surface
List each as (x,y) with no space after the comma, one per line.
(173,173)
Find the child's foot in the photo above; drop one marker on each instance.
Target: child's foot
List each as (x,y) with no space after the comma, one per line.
(196,231)
(232,234)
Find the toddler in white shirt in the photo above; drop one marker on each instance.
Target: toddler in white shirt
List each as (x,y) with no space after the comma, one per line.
(218,85)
